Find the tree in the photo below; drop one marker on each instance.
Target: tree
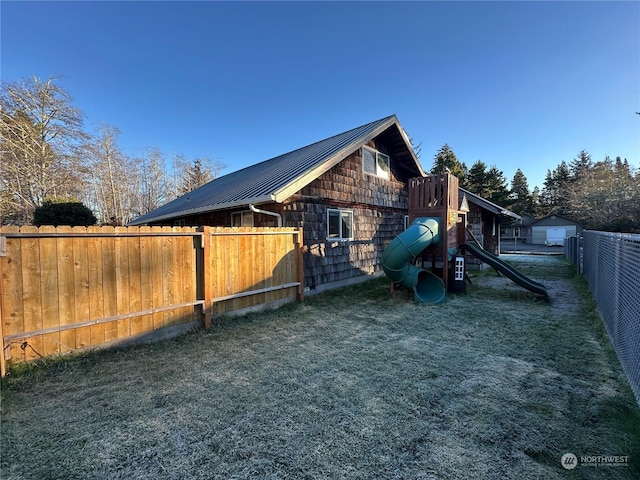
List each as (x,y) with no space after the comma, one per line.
(580,165)
(112,177)
(553,197)
(40,135)
(477,179)
(537,209)
(190,175)
(63,212)
(446,159)
(521,199)
(497,187)
(153,182)
(195,175)
(489,184)
(605,197)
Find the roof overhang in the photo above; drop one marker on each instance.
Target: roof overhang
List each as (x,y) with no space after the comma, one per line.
(204,209)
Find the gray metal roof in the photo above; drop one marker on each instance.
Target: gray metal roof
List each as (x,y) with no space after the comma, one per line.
(487,205)
(280,177)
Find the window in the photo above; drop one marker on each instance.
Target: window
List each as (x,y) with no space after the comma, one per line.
(375,163)
(242,219)
(339,224)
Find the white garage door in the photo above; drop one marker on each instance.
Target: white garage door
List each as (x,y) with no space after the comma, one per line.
(539,233)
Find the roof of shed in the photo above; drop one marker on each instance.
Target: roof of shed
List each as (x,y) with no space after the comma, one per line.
(280,177)
(487,205)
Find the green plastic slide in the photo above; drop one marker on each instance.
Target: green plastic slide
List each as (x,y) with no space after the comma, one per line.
(506,269)
(397,258)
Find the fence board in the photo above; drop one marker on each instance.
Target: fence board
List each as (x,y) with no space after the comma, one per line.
(167,273)
(157,279)
(12,304)
(109,283)
(188,282)
(96,295)
(64,246)
(49,289)
(122,283)
(135,283)
(31,293)
(146,281)
(81,287)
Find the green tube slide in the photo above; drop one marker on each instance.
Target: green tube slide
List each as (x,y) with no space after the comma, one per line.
(397,258)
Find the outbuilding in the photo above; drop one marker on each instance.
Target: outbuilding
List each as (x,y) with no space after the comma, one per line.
(553,229)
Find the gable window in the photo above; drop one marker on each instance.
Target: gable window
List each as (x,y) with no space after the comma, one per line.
(242,219)
(375,163)
(339,224)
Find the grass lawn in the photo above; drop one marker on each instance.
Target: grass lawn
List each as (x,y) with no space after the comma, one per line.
(353,384)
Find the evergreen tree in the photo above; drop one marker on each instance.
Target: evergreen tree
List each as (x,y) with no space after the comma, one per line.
(580,165)
(522,201)
(489,184)
(497,189)
(446,159)
(537,209)
(195,175)
(477,180)
(553,196)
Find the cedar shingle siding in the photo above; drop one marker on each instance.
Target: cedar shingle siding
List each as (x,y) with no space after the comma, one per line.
(379,206)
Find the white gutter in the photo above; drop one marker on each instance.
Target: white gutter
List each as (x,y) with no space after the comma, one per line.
(266,212)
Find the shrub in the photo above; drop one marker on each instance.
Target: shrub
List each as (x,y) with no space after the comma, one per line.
(63,213)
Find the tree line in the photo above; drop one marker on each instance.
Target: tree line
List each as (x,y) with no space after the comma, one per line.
(48,157)
(601,195)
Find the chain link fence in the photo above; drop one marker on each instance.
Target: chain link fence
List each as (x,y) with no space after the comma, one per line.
(611,264)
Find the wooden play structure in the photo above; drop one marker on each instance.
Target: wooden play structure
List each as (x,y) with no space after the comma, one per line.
(437,196)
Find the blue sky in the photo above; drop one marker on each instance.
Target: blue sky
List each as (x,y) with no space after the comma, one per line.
(514,84)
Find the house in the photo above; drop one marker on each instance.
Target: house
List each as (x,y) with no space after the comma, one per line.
(519,230)
(549,230)
(348,192)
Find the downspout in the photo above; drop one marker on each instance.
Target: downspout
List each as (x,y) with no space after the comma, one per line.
(266,212)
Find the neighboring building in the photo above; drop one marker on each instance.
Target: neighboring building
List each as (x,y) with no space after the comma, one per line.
(519,229)
(348,192)
(550,230)
(553,229)
(484,219)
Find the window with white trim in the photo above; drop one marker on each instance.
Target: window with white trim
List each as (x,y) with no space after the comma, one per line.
(375,163)
(242,219)
(339,224)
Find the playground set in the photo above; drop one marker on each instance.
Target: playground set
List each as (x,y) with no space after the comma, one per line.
(427,257)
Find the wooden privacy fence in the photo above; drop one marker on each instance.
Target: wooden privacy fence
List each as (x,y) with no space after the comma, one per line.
(64,288)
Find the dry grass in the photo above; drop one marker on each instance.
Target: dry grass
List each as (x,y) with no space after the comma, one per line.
(353,384)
